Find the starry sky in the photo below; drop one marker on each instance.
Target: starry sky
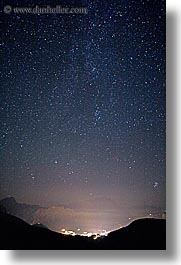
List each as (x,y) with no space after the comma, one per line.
(82,107)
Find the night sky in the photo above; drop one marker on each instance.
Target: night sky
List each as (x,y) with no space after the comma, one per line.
(82,108)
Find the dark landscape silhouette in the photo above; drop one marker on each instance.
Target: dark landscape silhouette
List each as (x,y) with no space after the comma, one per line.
(143,234)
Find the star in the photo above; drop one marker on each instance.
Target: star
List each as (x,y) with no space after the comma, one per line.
(83,112)
(155,184)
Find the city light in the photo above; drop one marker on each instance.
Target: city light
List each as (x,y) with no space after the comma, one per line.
(84,234)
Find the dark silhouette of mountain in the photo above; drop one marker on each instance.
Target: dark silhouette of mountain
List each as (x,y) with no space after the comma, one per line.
(40,225)
(141,234)
(2,209)
(17,234)
(21,210)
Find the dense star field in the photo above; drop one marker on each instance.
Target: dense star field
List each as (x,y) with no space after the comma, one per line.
(82,110)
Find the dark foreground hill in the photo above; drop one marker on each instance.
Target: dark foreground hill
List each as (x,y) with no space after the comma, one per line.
(141,234)
(17,234)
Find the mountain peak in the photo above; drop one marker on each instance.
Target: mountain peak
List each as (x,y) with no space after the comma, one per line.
(9,200)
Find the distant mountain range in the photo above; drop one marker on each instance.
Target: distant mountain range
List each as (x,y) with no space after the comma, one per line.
(55,217)
(21,210)
(140,234)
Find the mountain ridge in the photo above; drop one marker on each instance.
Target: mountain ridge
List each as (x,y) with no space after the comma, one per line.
(140,234)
